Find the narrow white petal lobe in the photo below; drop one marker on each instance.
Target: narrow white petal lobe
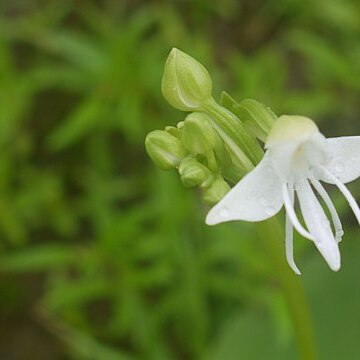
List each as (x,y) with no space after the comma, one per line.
(334,215)
(289,237)
(318,224)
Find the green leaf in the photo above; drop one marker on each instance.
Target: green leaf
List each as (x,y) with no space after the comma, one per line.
(38,258)
(84,119)
(77,49)
(81,344)
(77,292)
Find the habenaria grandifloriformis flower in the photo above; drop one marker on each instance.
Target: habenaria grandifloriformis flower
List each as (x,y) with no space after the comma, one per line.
(297,159)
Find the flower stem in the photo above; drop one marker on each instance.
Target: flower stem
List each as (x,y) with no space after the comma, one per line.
(270,233)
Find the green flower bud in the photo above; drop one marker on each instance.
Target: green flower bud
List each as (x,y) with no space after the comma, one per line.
(199,137)
(192,173)
(165,150)
(186,84)
(216,191)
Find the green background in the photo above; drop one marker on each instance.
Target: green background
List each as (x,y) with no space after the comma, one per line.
(103,256)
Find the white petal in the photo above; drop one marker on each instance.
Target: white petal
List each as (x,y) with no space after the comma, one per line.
(350,199)
(334,215)
(343,159)
(291,214)
(292,159)
(255,198)
(282,160)
(289,237)
(318,224)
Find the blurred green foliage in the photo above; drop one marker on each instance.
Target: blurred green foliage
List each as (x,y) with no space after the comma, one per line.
(127,267)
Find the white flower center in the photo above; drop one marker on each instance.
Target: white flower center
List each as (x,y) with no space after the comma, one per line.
(309,154)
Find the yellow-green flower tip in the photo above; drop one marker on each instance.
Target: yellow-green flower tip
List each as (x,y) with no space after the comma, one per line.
(291,128)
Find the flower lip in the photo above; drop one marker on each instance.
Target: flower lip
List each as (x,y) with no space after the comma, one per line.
(291,128)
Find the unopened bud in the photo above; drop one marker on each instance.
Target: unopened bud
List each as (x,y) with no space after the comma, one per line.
(186,84)
(192,172)
(164,149)
(216,191)
(198,136)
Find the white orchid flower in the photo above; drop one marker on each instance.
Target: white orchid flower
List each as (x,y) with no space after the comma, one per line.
(297,157)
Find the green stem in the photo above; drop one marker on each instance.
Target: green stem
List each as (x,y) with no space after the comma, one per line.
(270,233)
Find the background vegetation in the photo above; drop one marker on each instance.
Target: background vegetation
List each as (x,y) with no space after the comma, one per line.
(104,257)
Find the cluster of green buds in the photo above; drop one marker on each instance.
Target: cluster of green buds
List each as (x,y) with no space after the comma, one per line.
(215,145)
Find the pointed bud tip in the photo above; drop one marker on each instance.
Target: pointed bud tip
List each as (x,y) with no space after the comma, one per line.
(174,51)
